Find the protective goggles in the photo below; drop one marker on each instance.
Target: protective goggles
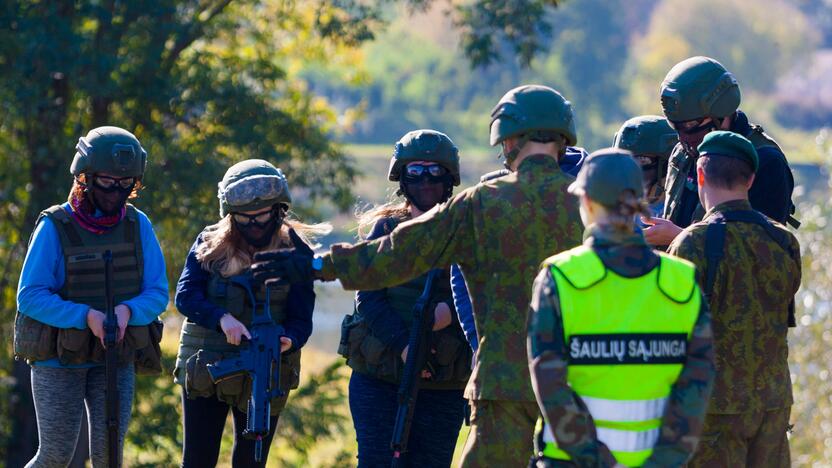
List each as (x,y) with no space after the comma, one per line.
(691,127)
(418,170)
(258,218)
(255,188)
(107,182)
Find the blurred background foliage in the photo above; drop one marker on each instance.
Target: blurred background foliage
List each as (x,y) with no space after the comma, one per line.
(323,89)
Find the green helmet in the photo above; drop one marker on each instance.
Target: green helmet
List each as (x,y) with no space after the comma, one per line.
(109,149)
(647,135)
(424,145)
(532,109)
(699,87)
(250,185)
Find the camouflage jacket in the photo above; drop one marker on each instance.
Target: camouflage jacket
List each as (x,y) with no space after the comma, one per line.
(498,232)
(770,194)
(755,285)
(573,427)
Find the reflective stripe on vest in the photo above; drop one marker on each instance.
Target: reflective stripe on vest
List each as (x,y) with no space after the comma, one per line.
(627,341)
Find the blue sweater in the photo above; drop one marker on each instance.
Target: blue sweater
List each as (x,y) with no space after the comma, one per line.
(192,301)
(43,276)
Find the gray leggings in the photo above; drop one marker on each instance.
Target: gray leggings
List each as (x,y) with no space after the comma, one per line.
(60,395)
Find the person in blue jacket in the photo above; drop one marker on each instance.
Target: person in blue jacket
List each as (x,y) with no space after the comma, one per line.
(374,339)
(61,301)
(254,204)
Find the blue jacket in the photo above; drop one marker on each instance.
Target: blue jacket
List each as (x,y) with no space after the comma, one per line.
(192,301)
(43,276)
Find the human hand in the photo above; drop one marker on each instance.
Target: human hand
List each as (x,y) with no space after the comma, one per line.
(293,265)
(123,314)
(441,316)
(95,321)
(285,344)
(660,231)
(234,329)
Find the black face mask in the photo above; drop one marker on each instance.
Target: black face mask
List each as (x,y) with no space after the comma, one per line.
(426,191)
(690,139)
(259,235)
(109,201)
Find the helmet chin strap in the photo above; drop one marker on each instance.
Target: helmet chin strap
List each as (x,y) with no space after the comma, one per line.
(512,154)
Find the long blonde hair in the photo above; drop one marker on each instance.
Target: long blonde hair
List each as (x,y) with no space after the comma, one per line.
(622,216)
(368,218)
(224,250)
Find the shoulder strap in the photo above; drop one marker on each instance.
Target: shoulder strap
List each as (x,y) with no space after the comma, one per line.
(676,278)
(580,267)
(760,139)
(714,251)
(132,235)
(63,222)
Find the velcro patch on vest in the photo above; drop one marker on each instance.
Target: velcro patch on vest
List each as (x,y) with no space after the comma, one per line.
(628,348)
(86,257)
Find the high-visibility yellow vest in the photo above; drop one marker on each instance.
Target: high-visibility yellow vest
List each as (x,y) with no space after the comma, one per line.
(627,341)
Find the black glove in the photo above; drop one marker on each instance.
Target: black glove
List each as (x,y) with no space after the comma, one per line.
(293,265)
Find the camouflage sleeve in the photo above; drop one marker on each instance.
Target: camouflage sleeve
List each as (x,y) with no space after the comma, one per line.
(438,238)
(692,249)
(685,412)
(574,428)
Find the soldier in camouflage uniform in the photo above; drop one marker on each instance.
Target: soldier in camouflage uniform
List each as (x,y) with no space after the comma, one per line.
(651,140)
(751,296)
(592,307)
(498,232)
(699,96)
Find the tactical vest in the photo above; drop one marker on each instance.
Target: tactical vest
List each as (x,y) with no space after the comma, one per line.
(83,255)
(200,346)
(365,353)
(626,340)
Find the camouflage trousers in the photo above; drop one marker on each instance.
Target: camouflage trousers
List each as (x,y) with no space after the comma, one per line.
(502,434)
(755,439)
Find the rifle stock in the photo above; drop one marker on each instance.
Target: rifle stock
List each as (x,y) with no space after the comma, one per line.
(260,360)
(416,357)
(111,365)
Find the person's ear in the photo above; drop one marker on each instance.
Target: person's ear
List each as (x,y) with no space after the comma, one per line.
(750,182)
(700,175)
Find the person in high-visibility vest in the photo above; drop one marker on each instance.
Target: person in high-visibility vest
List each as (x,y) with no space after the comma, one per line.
(620,343)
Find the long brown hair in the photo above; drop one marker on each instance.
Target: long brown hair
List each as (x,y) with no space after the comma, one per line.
(224,250)
(621,216)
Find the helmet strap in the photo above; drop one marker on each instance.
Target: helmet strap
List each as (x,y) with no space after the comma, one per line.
(512,154)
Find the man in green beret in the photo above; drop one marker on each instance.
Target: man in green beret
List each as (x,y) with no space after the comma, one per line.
(749,268)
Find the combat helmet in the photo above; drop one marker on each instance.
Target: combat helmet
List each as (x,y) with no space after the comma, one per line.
(112,150)
(650,138)
(699,87)
(250,185)
(424,145)
(534,112)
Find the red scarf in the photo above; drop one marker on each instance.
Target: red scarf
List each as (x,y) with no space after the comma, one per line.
(84,213)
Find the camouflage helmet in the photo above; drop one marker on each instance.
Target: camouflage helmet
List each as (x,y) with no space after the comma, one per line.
(647,135)
(424,145)
(699,87)
(529,109)
(250,185)
(112,150)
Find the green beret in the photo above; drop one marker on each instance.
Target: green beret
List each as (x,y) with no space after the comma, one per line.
(606,174)
(731,145)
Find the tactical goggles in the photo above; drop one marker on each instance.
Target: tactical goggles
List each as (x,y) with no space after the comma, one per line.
(258,218)
(107,182)
(261,187)
(418,170)
(691,127)
(647,161)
